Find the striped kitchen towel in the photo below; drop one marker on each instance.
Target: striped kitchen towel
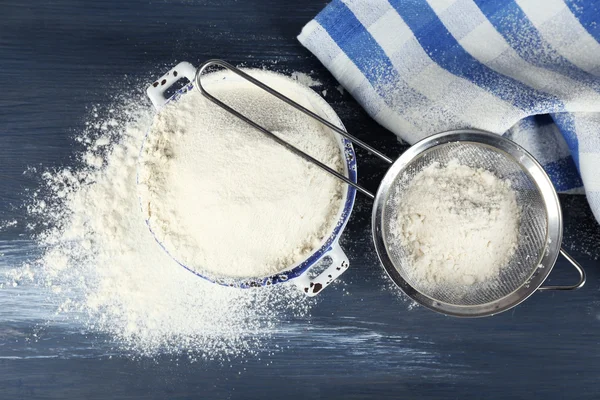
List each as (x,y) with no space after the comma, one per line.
(528,69)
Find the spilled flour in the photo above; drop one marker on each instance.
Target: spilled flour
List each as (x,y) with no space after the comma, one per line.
(458,225)
(305,79)
(227,201)
(105,270)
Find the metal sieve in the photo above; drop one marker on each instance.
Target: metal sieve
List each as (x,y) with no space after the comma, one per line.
(540,231)
(327,261)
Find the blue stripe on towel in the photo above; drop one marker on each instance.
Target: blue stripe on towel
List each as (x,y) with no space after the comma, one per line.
(441,46)
(362,49)
(588,14)
(527,41)
(563,174)
(566,124)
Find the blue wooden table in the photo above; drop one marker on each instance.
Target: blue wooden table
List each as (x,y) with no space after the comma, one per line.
(59,58)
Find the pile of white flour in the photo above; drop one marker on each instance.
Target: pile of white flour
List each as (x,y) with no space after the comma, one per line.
(227,201)
(458,225)
(103,270)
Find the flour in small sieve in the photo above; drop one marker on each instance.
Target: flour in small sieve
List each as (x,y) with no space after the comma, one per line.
(458,225)
(226,200)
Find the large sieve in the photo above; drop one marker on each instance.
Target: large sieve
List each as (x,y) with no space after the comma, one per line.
(327,261)
(540,231)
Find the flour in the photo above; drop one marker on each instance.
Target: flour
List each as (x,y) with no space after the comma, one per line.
(224,199)
(458,225)
(104,272)
(305,79)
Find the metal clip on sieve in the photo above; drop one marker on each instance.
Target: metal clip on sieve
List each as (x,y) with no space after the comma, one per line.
(539,196)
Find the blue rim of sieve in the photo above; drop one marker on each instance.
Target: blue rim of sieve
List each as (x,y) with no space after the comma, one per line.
(296,271)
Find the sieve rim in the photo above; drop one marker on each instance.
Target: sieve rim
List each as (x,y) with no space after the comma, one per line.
(538,176)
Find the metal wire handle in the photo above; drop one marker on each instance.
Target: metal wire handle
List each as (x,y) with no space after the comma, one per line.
(575,265)
(297,106)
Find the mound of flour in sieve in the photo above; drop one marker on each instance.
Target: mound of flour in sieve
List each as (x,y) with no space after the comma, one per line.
(458,225)
(226,200)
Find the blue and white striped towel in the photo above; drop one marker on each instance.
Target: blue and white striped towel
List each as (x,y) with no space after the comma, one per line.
(528,69)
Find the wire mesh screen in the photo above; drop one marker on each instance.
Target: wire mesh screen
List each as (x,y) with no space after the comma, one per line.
(532,233)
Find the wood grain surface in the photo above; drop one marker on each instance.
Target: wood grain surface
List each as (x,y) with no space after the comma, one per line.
(363,340)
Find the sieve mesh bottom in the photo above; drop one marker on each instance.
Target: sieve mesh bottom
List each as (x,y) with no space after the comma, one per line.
(532,236)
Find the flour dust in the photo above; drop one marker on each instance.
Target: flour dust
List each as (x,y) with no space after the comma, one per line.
(101,265)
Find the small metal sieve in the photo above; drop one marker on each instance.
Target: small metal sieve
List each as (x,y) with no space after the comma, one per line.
(540,232)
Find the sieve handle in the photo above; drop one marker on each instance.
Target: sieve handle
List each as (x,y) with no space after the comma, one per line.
(339,265)
(156,91)
(579,269)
